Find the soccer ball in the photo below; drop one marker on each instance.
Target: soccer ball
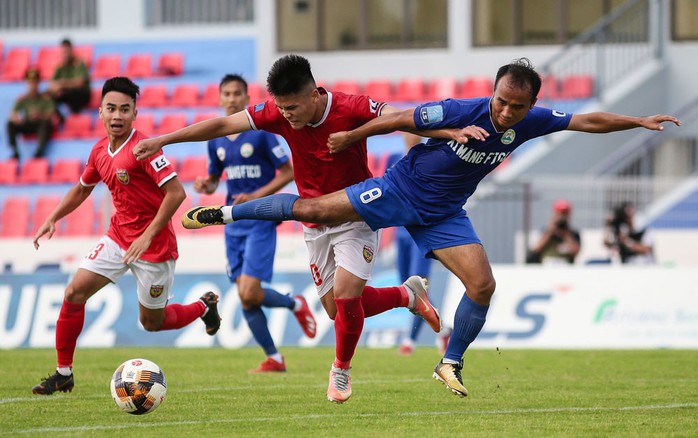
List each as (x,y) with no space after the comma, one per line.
(138,386)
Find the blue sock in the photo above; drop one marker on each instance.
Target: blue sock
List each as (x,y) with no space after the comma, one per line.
(257,321)
(469,319)
(417,323)
(277,207)
(273,298)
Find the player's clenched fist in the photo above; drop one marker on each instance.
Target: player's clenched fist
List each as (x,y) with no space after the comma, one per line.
(146,148)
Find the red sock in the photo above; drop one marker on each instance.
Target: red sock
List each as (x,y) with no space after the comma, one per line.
(70,321)
(348,325)
(179,315)
(377,300)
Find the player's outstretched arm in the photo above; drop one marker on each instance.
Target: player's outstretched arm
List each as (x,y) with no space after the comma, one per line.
(601,122)
(70,202)
(206,130)
(395,121)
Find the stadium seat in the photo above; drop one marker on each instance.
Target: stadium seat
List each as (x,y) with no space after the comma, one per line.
(44,206)
(549,88)
(380,90)
(95,98)
(107,66)
(145,123)
(411,90)
(185,95)
(139,65)
(65,170)
(81,222)
(200,117)
(153,96)
(258,92)
(47,60)
(191,167)
(171,64)
(577,87)
(171,122)
(2,51)
(14,219)
(211,95)
(16,64)
(34,171)
(76,126)
(377,163)
(347,87)
(84,52)
(442,88)
(477,87)
(8,172)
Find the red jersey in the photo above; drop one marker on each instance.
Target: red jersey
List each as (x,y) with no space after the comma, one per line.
(317,171)
(136,194)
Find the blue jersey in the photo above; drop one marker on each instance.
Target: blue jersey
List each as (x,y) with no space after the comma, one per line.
(440,176)
(250,162)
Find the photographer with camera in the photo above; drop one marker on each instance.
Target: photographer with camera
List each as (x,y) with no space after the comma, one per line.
(632,246)
(559,243)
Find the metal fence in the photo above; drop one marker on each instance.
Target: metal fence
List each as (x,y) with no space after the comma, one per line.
(48,14)
(176,12)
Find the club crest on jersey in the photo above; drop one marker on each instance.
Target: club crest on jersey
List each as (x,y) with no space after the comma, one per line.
(368,254)
(122,176)
(246,150)
(508,136)
(220,153)
(156,290)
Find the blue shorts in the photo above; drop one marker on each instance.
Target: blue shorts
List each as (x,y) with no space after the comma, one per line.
(252,254)
(410,260)
(380,205)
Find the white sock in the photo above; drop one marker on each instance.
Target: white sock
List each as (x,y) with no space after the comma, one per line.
(410,297)
(277,357)
(451,361)
(297,304)
(227,211)
(64,371)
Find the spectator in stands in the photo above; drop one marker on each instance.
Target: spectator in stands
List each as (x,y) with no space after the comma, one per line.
(70,83)
(559,242)
(633,246)
(251,160)
(33,113)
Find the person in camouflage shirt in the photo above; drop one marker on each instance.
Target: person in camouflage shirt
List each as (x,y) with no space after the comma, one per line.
(70,83)
(32,113)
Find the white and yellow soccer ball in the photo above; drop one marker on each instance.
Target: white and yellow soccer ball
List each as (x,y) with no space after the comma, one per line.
(138,386)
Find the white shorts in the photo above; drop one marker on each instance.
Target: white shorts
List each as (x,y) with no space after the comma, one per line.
(351,245)
(154,280)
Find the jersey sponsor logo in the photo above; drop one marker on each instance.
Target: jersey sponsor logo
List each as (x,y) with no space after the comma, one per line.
(156,290)
(122,176)
(431,114)
(508,136)
(559,113)
(473,156)
(246,150)
(279,151)
(220,153)
(259,107)
(159,163)
(373,105)
(368,254)
(252,171)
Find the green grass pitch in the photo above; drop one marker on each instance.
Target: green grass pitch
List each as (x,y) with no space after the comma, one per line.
(512,393)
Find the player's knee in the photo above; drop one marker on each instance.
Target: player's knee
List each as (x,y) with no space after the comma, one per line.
(307,210)
(483,290)
(74,295)
(150,325)
(249,298)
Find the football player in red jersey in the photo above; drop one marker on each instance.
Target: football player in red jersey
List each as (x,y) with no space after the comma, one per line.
(140,237)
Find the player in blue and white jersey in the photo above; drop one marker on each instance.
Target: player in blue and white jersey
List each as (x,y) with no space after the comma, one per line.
(250,161)
(426,190)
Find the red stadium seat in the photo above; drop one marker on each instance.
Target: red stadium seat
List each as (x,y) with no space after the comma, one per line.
(153,96)
(192,167)
(34,171)
(377,163)
(43,207)
(65,170)
(411,90)
(549,88)
(145,123)
(47,60)
(95,98)
(171,64)
(347,87)
(380,90)
(211,95)
(76,126)
(107,66)
(171,122)
(81,222)
(442,88)
(139,65)
(577,87)
(84,52)
(185,95)
(477,87)
(16,64)
(8,172)
(14,219)
(258,92)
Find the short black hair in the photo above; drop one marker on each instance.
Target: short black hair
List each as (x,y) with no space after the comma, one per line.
(521,74)
(122,85)
(233,78)
(66,42)
(289,75)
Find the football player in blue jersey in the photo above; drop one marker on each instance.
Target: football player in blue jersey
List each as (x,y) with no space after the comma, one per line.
(425,191)
(250,161)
